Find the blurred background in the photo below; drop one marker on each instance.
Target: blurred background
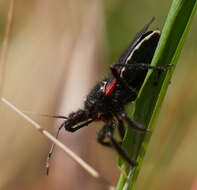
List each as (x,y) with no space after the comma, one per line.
(57,51)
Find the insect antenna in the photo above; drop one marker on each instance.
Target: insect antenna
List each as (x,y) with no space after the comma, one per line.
(52,148)
(57,134)
(46,115)
(71,154)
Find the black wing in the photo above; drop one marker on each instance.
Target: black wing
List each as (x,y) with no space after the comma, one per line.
(142,53)
(134,42)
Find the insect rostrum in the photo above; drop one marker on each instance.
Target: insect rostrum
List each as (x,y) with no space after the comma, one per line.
(107,99)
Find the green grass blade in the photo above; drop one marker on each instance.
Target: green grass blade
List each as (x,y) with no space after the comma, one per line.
(151,96)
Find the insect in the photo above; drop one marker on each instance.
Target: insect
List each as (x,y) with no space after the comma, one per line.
(106,101)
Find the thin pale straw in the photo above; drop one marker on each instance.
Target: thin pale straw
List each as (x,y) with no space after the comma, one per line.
(5,44)
(71,154)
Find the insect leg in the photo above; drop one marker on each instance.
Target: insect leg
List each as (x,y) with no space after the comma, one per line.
(75,128)
(70,125)
(121,128)
(102,136)
(116,145)
(132,123)
(143,66)
(77,118)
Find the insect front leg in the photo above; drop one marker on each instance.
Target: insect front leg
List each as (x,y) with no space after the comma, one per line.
(70,124)
(77,120)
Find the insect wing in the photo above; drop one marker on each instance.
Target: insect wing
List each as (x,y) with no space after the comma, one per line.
(134,42)
(143,52)
(128,53)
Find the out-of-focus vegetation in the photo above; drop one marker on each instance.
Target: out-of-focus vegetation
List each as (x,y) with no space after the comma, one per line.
(155,173)
(46,39)
(151,96)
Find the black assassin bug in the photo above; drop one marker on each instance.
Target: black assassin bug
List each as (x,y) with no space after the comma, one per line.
(107,99)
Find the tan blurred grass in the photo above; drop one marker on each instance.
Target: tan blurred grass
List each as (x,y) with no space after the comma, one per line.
(53,60)
(56,55)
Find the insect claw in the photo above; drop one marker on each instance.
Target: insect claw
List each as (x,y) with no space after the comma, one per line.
(169,65)
(148,131)
(166,67)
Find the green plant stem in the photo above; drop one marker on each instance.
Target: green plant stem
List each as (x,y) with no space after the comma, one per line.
(151,96)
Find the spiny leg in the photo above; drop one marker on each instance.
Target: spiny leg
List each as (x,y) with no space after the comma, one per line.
(131,122)
(76,118)
(57,134)
(142,66)
(70,125)
(77,127)
(101,136)
(110,130)
(117,68)
(121,128)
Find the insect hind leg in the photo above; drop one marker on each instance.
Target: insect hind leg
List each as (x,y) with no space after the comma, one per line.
(143,66)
